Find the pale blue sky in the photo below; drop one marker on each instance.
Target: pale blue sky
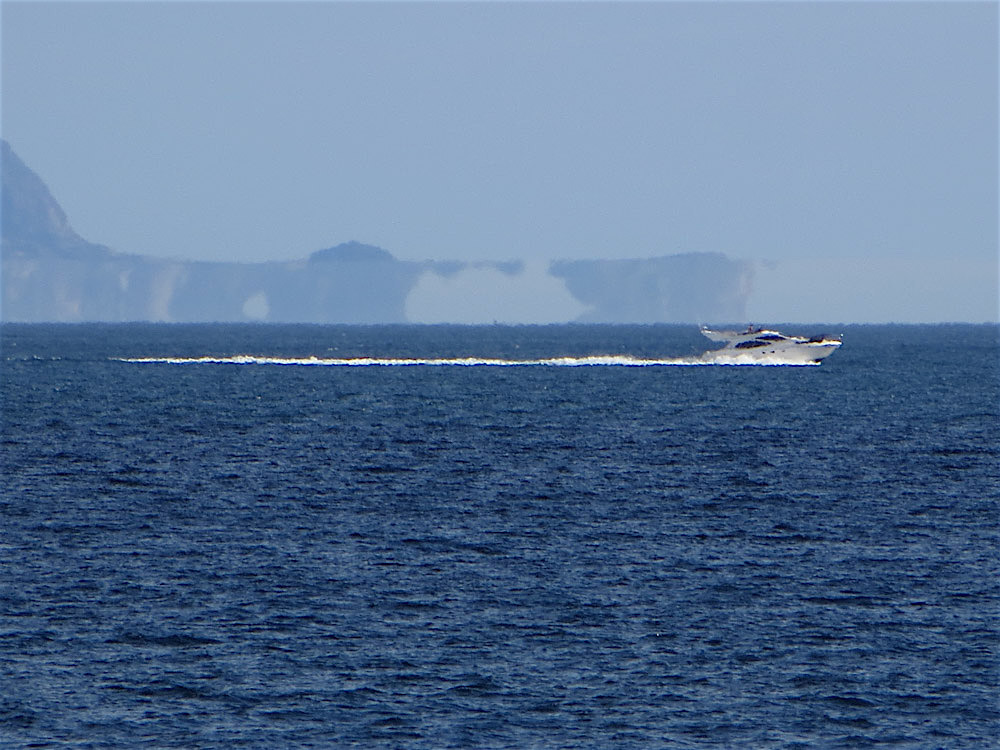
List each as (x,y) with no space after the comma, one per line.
(858,140)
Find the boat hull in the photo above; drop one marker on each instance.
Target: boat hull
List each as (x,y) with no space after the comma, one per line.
(797,355)
(766,346)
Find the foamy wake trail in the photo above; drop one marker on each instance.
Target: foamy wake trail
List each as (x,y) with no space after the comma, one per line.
(711,358)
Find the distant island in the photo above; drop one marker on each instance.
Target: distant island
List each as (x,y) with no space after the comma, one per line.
(51,274)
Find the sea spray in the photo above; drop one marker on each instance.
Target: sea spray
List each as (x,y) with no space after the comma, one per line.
(711,358)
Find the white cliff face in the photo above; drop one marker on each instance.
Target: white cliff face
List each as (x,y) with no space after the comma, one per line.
(256,307)
(165,282)
(484,294)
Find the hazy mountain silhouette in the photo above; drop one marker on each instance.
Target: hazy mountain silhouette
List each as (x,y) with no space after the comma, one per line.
(50,273)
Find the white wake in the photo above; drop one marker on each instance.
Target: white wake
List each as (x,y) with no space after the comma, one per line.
(710,358)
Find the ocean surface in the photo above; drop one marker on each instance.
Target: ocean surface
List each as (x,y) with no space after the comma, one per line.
(315,541)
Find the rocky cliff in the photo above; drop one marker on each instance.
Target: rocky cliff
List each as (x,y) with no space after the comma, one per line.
(49,273)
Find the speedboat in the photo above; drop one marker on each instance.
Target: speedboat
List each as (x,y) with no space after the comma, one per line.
(757,344)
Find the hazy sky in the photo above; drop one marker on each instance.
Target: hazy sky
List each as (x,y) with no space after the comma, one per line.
(851,148)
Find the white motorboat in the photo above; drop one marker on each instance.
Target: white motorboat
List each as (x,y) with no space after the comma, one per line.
(757,344)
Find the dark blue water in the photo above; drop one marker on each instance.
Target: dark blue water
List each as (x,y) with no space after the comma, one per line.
(221,555)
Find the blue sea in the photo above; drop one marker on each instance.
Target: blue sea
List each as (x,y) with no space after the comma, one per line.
(250,536)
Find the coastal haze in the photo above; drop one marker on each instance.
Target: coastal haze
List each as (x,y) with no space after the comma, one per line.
(50,273)
(507,162)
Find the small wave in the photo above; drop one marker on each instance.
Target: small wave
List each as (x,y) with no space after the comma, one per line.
(710,359)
